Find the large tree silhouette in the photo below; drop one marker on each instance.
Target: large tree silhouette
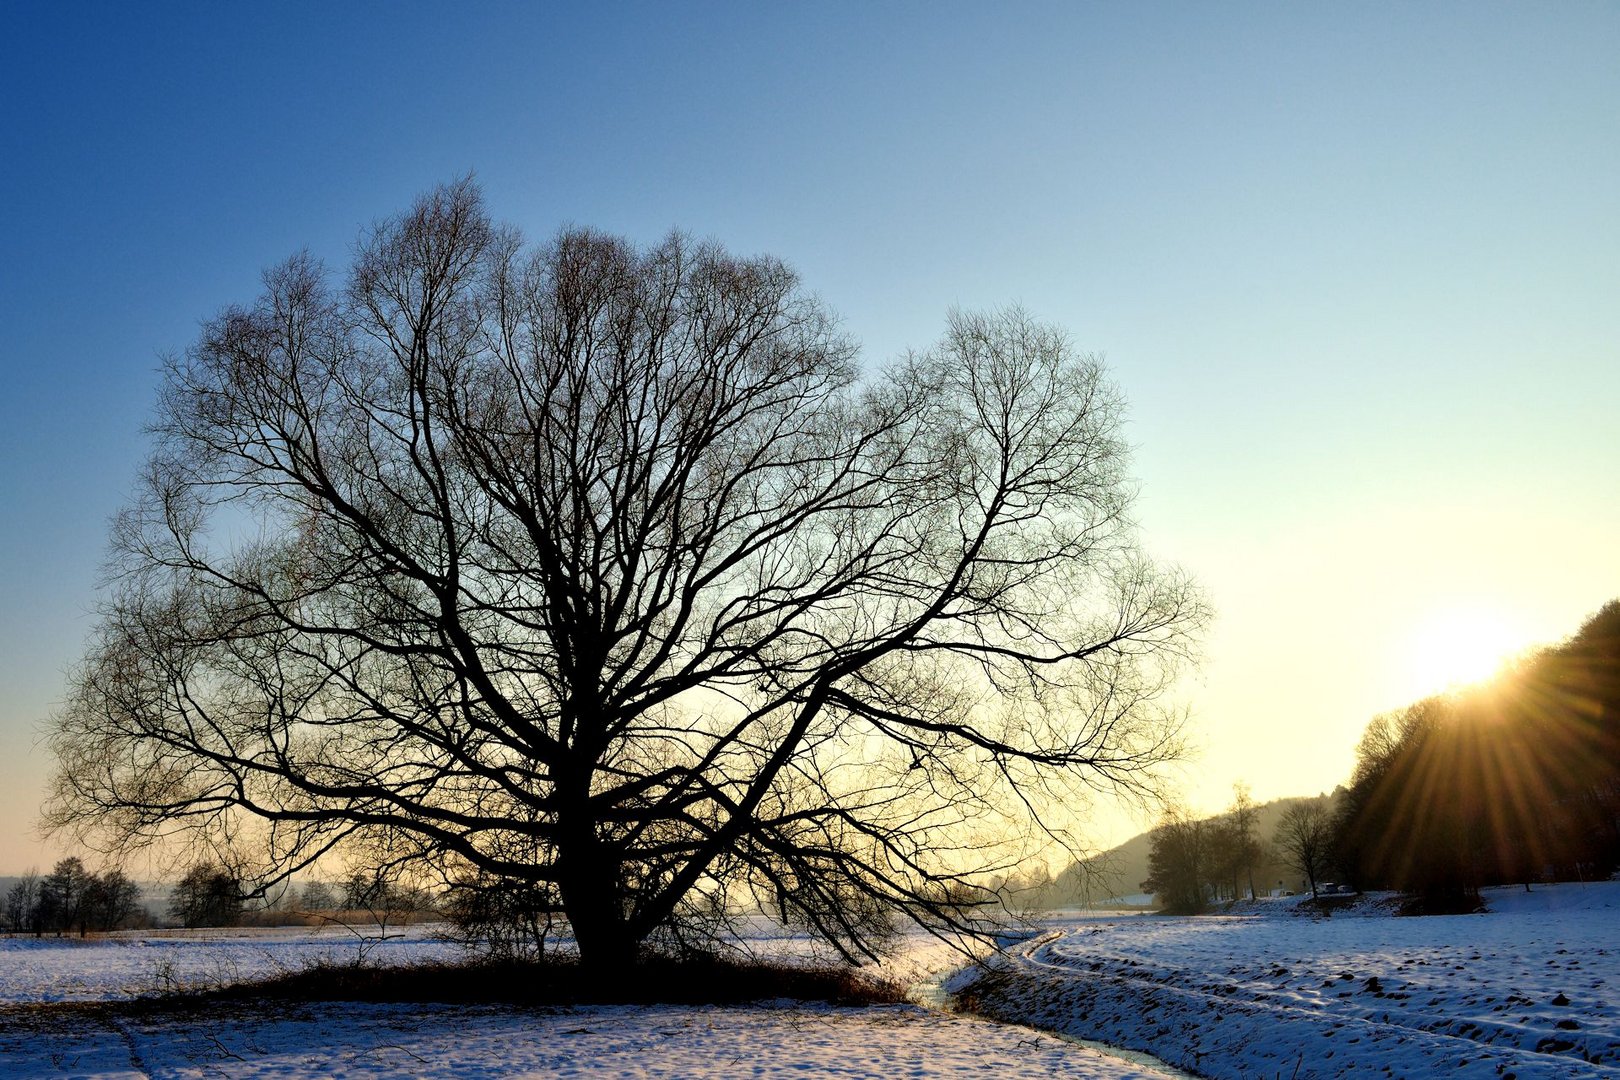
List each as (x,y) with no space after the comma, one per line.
(606,573)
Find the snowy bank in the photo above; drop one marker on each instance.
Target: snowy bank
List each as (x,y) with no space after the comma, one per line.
(1525,991)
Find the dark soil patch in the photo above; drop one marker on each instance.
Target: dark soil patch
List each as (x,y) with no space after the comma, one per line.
(1326,903)
(1447,903)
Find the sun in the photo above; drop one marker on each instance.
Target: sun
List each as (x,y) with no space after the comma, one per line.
(1460,646)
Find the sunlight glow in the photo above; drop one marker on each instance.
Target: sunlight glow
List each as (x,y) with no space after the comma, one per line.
(1460,646)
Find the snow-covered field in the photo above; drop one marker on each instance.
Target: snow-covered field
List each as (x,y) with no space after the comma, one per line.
(49,1026)
(1527,991)
(475,1043)
(128,965)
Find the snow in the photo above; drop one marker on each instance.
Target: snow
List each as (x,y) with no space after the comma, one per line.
(122,966)
(475,1043)
(1524,991)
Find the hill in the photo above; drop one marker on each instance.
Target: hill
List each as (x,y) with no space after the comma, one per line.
(1113,878)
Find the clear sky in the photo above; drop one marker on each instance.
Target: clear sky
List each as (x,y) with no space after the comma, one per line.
(1356,267)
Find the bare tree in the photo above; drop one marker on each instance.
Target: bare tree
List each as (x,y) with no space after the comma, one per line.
(65,897)
(1305,838)
(22,904)
(317,896)
(1178,862)
(604,571)
(1241,818)
(113,900)
(207,896)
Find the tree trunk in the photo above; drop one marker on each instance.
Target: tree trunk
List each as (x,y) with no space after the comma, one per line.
(595,909)
(588,880)
(606,946)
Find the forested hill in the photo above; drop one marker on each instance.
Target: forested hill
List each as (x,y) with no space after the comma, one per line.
(1116,876)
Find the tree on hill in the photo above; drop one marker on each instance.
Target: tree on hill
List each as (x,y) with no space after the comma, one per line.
(1505,782)
(1568,700)
(1406,817)
(604,570)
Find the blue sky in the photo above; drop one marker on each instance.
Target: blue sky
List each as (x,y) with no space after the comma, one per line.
(1356,267)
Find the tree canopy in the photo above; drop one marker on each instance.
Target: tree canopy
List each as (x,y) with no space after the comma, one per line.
(607,574)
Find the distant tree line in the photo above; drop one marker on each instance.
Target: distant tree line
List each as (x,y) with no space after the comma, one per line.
(72,900)
(1513,781)
(212,895)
